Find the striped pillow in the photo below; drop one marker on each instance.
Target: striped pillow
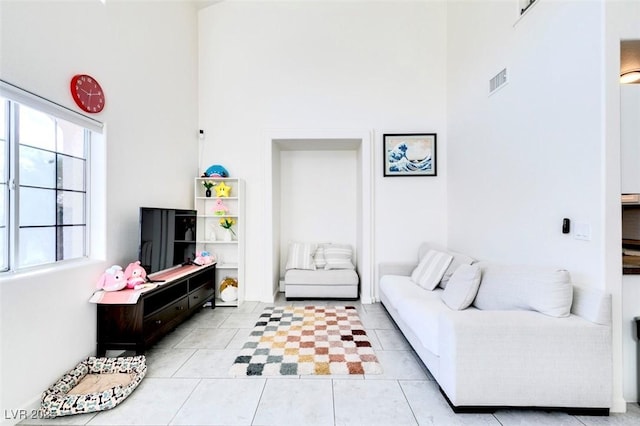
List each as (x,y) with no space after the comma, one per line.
(338,256)
(431,268)
(301,256)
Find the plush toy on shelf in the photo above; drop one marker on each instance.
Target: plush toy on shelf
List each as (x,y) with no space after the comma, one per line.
(216,171)
(112,279)
(222,190)
(229,289)
(135,275)
(219,209)
(204,258)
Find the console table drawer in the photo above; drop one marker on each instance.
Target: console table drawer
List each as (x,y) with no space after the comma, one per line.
(166,317)
(162,296)
(198,297)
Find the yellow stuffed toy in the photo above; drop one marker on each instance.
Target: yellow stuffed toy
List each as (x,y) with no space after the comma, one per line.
(229,289)
(222,190)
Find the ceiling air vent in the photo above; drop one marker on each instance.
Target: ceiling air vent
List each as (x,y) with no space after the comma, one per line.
(498,81)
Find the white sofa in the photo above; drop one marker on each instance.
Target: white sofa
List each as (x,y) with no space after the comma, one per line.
(508,356)
(324,271)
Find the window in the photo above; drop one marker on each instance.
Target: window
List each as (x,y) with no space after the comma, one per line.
(44,166)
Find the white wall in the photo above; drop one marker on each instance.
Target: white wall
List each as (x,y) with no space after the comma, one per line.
(326,65)
(544,147)
(528,156)
(145,58)
(318,198)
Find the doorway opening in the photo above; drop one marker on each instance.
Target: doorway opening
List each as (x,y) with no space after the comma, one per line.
(319,190)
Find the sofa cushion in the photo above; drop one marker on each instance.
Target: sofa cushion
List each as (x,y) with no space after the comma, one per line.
(338,256)
(592,305)
(458,259)
(545,290)
(421,314)
(301,256)
(462,288)
(398,288)
(417,307)
(431,268)
(321,277)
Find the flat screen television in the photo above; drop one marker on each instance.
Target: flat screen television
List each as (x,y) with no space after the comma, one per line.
(167,238)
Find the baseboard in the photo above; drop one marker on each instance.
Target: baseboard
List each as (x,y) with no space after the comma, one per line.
(367,300)
(274,296)
(619,405)
(29,410)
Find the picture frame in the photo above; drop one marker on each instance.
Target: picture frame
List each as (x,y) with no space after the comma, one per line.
(410,154)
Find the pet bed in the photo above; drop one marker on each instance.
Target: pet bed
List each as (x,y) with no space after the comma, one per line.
(95,384)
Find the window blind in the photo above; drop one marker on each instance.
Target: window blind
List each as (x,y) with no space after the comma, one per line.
(24,97)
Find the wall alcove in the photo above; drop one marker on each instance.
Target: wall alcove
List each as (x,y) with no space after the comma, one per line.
(319,188)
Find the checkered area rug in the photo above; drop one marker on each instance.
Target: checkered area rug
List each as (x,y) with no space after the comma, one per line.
(302,340)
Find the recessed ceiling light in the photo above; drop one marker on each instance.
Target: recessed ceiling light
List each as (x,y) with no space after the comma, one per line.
(630,77)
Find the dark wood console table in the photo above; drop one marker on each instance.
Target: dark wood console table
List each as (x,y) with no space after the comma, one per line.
(139,325)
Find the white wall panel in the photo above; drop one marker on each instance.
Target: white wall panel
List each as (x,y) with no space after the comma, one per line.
(145,57)
(305,67)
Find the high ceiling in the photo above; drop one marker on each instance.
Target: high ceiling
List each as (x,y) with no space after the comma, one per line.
(629,49)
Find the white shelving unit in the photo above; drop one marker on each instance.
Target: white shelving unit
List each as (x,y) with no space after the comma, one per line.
(210,236)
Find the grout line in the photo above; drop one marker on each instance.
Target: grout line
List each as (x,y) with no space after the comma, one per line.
(184,362)
(185,401)
(333,399)
(226,347)
(255,412)
(580,420)
(407,401)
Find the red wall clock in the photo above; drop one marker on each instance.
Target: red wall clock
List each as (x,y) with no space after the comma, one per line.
(87,93)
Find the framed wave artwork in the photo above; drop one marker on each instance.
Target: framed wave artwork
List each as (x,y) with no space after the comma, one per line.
(411,154)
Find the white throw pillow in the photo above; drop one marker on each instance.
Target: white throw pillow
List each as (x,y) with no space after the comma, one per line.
(301,256)
(431,268)
(513,287)
(462,287)
(318,258)
(338,256)
(458,259)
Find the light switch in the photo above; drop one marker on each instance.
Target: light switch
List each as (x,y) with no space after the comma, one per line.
(582,231)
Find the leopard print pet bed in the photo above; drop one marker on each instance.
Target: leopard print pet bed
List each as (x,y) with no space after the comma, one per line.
(95,384)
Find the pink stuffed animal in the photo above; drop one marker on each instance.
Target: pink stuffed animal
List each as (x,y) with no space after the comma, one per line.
(135,275)
(204,258)
(112,279)
(219,209)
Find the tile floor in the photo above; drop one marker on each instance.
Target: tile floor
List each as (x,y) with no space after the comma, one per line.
(187,384)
